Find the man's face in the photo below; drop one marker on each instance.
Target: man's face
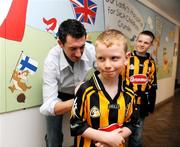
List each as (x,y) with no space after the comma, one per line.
(73,47)
(143,43)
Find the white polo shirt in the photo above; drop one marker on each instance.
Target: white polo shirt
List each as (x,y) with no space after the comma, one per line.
(60,76)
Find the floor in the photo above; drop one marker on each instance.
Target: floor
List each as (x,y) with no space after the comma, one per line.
(162,128)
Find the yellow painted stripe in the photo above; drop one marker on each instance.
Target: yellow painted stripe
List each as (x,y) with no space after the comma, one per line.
(87,108)
(83,97)
(121,111)
(104,110)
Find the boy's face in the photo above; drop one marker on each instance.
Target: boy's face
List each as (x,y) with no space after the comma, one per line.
(143,43)
(110,60)
(73,47)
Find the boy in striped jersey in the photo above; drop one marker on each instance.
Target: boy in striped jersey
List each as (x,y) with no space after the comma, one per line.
(102,114)
(141,78)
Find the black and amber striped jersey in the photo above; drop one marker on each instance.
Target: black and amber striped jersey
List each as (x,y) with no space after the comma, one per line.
(140,75)
(93,107)
(141,72)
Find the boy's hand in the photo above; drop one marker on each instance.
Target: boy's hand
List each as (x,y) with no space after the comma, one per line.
(98,144)
(113,138)
(111,130)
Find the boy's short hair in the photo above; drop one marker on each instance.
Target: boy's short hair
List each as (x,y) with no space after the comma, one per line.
(110,37)
(148,33)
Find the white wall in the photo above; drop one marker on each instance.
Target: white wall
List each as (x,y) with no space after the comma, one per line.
(24,128)
(27,128)
(178,62)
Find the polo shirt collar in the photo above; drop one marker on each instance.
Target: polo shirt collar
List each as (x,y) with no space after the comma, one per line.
(64,63)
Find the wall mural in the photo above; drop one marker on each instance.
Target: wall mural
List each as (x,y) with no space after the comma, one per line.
(131,17)
(28,30)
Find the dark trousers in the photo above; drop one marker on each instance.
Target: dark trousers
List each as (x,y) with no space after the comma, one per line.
(54,136)
(135,139)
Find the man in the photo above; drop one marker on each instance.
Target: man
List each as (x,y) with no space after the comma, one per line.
(65,66)
(141,77)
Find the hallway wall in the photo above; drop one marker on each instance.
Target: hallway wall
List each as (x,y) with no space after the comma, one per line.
(178,62)
(26,128)
(166,86)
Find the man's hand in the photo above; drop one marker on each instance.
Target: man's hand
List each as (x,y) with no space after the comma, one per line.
(63,107)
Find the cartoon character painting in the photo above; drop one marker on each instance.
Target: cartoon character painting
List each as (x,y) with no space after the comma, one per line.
(19,81)
(24,67)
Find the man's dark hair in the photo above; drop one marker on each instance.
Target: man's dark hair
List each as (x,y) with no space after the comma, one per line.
(149,33)
(71,27)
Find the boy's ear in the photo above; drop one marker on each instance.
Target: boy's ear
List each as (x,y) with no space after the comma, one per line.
(128,54)
(152,44)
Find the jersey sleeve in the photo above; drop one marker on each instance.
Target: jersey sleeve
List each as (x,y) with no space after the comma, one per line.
(131,116)
(152,75)
(78,123)
(152,87)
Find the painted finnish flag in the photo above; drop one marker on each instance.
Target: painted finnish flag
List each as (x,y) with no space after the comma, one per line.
(29,64)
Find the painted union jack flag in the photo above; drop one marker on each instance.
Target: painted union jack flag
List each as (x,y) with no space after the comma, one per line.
(85,10)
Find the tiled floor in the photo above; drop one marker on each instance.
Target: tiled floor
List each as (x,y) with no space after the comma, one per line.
(162,128)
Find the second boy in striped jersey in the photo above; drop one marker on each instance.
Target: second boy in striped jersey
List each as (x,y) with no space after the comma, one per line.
(141,77)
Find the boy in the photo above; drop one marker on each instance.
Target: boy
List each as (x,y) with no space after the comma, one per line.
(141,77)
(100,102)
